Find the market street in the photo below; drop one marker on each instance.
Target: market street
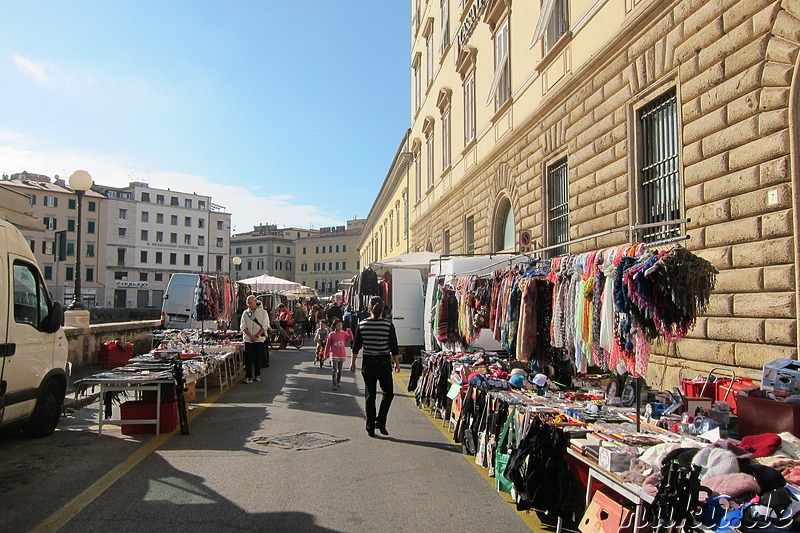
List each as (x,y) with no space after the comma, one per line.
(221,478)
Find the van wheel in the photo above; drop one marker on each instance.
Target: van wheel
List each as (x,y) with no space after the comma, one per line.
(47,411)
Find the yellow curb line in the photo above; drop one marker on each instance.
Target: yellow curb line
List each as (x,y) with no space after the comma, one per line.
(529,518)
(61,517)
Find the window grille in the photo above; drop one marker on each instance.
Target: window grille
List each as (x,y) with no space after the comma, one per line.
(558,206)
(470,236)
(660,185)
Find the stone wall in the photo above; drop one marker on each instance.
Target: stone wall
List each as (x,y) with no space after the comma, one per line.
(84,343)
(732,63)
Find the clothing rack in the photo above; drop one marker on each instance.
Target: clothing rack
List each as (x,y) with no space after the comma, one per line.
(517,257)
(630,229)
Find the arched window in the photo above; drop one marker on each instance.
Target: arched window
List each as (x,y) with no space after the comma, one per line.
(505,237)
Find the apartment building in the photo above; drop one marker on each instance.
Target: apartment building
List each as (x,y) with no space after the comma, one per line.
(52,202)
(581,121)
(153,233)
(267,249)
(330,257)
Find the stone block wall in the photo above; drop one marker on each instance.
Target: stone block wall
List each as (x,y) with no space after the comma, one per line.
(732,63)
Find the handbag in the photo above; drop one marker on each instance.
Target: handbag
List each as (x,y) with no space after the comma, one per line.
(501,482)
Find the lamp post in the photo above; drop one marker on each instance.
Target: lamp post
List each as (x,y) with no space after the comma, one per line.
(80,181)
(236,262)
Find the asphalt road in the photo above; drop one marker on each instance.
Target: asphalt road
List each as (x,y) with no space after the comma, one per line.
(241,469)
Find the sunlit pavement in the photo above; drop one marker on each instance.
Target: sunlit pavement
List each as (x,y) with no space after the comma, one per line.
(286,454)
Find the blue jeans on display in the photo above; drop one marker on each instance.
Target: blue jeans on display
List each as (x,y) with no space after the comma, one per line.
(377,370)
(337,363)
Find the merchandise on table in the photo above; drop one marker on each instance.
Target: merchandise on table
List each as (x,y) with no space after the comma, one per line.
(536,440)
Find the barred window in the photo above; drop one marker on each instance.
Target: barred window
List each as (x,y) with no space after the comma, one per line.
(558,207)
(469,234)
(660,194)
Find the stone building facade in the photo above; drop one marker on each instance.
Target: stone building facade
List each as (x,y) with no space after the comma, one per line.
(329,257)
(602,94)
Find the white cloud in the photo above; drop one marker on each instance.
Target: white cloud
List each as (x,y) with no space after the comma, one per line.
(30,67)
(18,153)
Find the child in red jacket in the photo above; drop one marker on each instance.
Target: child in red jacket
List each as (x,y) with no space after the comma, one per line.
(335,350)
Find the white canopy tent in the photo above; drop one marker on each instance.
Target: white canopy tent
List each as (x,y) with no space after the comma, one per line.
(409,260)
(267,283)
(301,292)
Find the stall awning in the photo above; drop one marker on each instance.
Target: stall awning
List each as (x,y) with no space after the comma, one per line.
(267,283)
(409,260)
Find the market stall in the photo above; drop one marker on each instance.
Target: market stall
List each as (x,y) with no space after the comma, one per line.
(578,458)
(561,417)
(206,358)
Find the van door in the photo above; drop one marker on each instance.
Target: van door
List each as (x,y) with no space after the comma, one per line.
(408,306)
(34,349)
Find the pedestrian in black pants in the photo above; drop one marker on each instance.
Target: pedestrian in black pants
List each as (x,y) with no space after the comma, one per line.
(378,339)
(254,333)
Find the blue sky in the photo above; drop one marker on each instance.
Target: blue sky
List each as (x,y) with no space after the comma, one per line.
(284,112)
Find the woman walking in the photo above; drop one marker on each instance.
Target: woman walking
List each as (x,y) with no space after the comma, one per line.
(379,340)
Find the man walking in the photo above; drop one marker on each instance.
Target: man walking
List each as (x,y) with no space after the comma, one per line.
(254,330)
(379,340)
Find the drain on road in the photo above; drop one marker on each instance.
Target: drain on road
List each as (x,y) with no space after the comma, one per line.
(307,440)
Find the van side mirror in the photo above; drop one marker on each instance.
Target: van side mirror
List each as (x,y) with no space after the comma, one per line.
(55,319)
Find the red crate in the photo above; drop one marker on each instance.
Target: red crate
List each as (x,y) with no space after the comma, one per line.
(144,410)
(114,354)
(724,385)
(695,388)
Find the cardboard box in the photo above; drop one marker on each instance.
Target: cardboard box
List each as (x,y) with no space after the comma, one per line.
(190,394)
(781,375)
(699,402)
(615,458)
(605,515)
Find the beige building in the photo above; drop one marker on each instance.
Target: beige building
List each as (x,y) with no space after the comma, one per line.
(386,227)
(599,116)
(54,204)
(267,249)
(327,259)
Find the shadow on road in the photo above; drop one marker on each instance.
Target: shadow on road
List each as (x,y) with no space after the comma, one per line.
(444,446)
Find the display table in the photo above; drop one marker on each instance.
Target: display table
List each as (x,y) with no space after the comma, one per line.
(628,490)
(148,374)
(137,388)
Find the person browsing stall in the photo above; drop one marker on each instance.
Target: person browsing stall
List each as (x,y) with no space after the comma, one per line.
(378,339)
(254,330)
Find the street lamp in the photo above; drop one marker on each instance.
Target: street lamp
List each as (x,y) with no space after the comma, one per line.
(236,262)
(80,181)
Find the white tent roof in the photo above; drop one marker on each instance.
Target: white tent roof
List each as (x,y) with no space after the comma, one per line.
(301,291)
(409,260)
(267,283)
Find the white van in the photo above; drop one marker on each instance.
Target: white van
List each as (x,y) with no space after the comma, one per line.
(177,308)
(33,347)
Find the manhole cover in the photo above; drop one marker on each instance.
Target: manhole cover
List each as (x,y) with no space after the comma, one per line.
(307,440)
